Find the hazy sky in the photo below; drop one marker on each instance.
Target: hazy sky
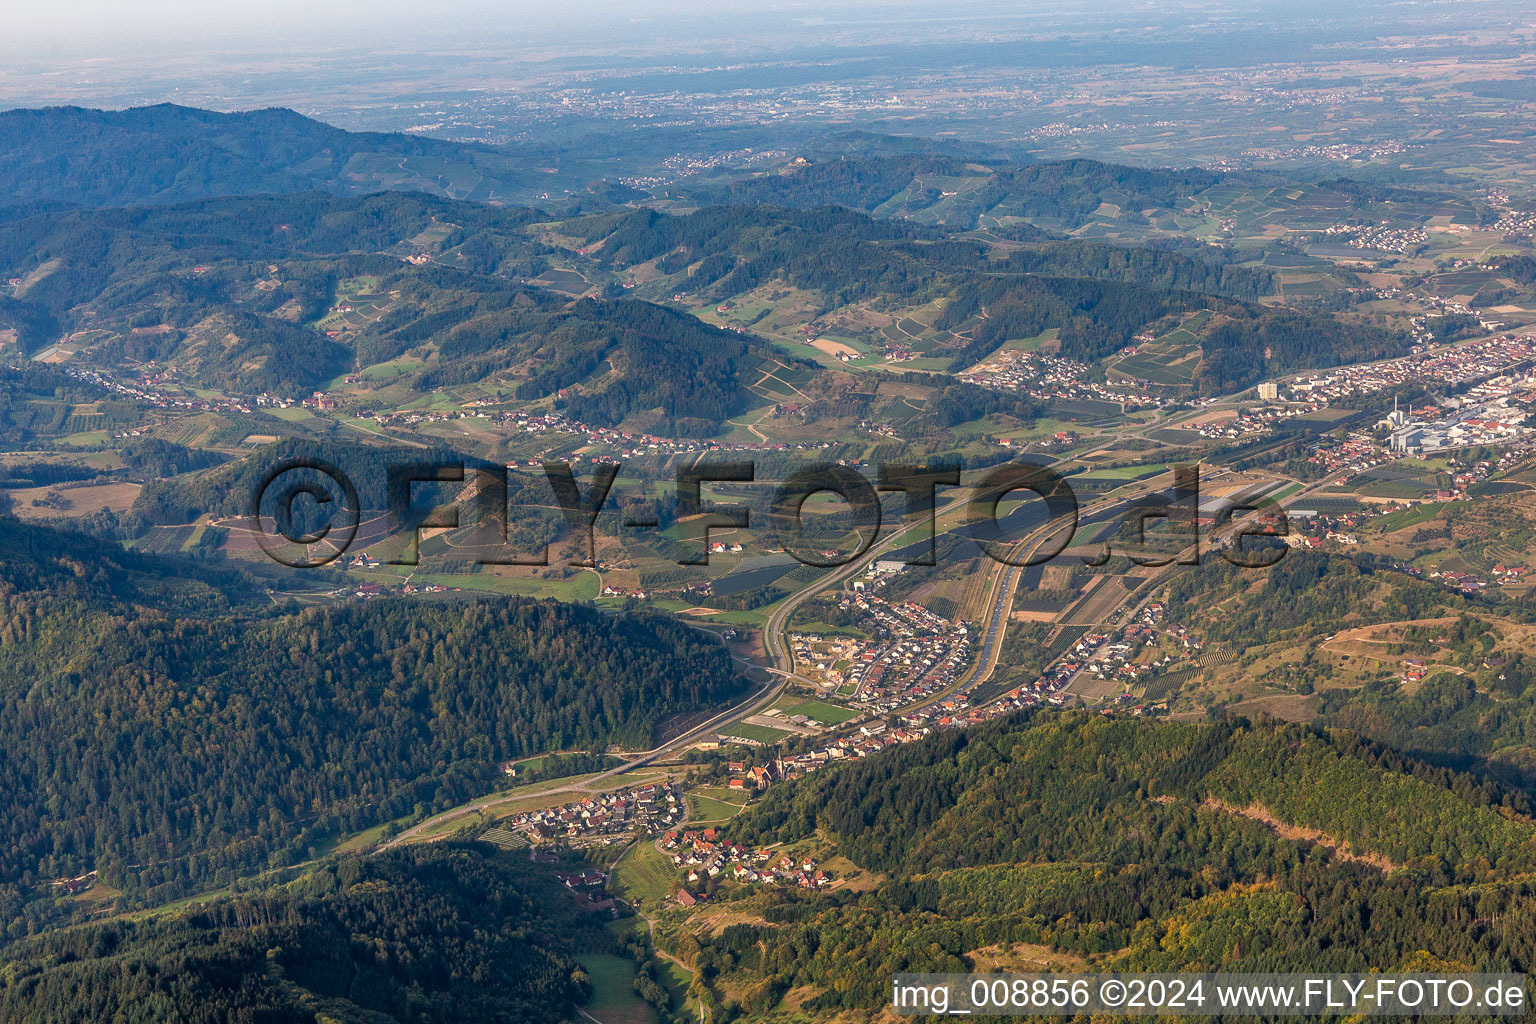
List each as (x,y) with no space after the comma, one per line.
(83,26)
(40,28)
(233,54)
(70,23)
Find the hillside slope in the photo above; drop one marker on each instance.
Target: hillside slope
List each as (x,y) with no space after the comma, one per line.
(254,294)
(445,934)
(169,153)
(1125,845)
(170,732)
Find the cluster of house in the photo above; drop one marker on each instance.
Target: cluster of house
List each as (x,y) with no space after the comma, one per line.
(603,817)
(866,739)
(611,591)
(1514,222)
(1331,151)
(916,652)
(956,712)
(705,854)
(628,444)
(1063,130)
(1383,237)
(1470,583)
(320,402)
(623,443)
(76,885)
(699,850)
(1415,669)
(1053,378)
(1308,528)
(366,591)
(1060,439)
(881,429)
(413,417)
(1349,455)
(1119,656)
(590,891)
(151,389)
(1439,368)
(1253,422)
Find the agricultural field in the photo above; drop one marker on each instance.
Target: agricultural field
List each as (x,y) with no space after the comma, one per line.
(358,304)
(714,805)
(614,1000)
(1172,358)
(643,876)
(72,501)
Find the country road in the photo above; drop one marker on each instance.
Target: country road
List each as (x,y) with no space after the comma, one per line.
(761,698)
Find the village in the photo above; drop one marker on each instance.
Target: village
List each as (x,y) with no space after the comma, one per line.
(1139,650)
(1252,423)
(1383,237)
(623,444)
(1441,368)
(1052,378)
(704,854)
(915,654)
(602,819)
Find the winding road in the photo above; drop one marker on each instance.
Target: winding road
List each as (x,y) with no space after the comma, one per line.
(1004,585)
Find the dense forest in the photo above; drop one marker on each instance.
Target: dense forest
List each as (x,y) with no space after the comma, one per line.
(842,254)
(1139,846)
(1243,352)
(1096,317)
(1302,595)
(846,255)
(434,935)
(169,727)
(1070,190)
(1151,268)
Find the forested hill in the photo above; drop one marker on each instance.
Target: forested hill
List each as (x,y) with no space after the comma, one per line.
(170,746)
(847,255)
(905,812)
(170,153)
(1119,844)
(435,935)
(1097,296)
(958,193)
(234,293)
(43,571)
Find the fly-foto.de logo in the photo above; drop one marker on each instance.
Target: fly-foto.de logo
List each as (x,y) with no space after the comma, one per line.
(307,512)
